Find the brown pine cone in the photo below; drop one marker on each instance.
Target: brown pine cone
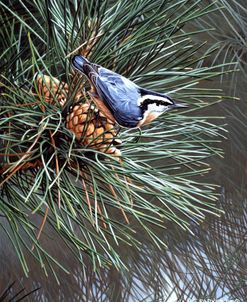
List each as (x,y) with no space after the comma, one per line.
(93,129)
(89,125)
(52,87)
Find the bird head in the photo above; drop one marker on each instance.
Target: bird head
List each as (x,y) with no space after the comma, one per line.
(154,104)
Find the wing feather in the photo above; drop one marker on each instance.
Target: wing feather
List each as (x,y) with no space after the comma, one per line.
(121,96)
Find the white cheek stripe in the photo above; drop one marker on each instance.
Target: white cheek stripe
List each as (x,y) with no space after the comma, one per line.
(153,98)
(156,109)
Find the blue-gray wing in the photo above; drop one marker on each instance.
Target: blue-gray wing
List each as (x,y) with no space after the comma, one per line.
(121,97)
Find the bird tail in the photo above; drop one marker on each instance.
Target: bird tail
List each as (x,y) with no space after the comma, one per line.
(78,62)
(83,65)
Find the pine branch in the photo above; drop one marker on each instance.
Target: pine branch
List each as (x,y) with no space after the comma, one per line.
(159,177)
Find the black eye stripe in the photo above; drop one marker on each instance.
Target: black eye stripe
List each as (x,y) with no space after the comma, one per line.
(147,102)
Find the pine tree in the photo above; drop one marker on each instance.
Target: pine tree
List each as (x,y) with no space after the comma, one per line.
(49,166)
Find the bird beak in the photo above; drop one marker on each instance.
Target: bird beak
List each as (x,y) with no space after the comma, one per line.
(178,106)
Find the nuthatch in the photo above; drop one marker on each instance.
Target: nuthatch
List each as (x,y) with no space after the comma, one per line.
(120,99)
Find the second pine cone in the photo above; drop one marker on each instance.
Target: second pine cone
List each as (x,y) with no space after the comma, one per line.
(92,129)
